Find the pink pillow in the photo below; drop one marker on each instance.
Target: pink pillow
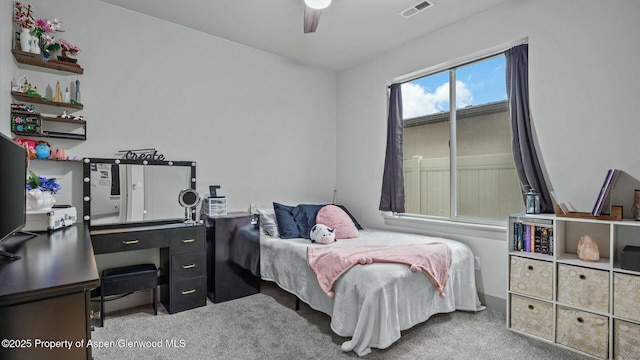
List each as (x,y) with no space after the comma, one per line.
(336,218)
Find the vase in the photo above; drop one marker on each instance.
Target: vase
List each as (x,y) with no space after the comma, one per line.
(40,200)
(35,45)
(44,54)
(25,40)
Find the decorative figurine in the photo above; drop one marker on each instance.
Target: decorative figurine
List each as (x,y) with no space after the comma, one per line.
(59,154)
(67,96)
(58,95)
(43,151)
(78,91)
(588,249)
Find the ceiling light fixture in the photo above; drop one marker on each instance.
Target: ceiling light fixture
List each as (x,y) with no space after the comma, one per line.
(318,4)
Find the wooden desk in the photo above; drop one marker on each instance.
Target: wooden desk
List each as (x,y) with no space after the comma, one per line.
(183,274)
(45,295)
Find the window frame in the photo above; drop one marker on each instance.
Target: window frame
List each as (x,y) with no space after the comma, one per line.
(491,225)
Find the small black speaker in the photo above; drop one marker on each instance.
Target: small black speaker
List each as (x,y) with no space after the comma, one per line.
(630,258)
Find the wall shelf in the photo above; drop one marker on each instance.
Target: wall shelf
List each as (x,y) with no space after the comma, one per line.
(36,60)
(34,99)
(78,127)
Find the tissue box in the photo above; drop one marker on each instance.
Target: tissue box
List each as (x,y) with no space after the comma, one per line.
(631,258)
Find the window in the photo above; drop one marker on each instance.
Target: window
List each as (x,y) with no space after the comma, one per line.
(474,139)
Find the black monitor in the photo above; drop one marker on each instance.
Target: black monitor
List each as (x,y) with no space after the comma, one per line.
(13,175)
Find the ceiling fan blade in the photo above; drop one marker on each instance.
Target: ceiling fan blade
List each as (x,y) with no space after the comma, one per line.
(311,19)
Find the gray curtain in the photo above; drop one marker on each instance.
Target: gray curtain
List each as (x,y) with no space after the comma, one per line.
(392,196)
(524,151)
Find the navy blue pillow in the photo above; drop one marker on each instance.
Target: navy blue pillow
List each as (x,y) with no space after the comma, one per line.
(287,226)
(305,216)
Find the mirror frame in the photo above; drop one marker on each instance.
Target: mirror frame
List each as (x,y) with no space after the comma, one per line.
(86,190)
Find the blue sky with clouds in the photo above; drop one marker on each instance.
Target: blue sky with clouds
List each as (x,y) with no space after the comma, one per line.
(476,84)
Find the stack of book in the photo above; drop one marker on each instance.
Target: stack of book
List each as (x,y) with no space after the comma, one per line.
(604,198)
(533,235)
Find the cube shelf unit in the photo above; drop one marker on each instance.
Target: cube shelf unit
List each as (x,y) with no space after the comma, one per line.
(588,307)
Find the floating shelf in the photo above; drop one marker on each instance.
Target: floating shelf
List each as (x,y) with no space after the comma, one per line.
(50,118)
(40,132)
(36,60)
(52,134)
(34,99)
(65,120)
(67,160)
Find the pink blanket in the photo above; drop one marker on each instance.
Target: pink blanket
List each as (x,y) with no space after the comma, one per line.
(330,262)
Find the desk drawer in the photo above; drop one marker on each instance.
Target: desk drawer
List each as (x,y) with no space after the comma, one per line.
(188,266)
(187,240)
(130,240)
(188,294)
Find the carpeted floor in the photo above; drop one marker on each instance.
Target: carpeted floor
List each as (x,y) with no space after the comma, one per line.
(266,326)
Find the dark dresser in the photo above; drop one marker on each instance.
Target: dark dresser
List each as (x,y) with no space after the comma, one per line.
(45,296)
(182,277)
(233,256)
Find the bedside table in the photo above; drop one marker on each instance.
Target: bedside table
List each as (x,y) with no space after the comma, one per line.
(233,256)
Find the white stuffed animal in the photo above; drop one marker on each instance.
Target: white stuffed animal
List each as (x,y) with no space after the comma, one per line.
(322,234)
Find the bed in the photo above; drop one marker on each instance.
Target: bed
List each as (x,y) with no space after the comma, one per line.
(374,302)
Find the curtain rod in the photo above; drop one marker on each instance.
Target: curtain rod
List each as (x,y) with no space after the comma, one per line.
(479,56)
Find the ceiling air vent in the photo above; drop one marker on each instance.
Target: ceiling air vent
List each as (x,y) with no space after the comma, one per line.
(415,9)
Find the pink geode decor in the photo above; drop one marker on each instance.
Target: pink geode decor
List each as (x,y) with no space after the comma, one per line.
(588,249)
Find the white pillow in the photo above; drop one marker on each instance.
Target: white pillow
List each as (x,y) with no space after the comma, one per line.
(268,222)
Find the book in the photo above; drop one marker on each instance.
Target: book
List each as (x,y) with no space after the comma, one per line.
(550,241)
(544,240)
(601,194)
(520,237)
(537,239)
(606,202)
(604,198)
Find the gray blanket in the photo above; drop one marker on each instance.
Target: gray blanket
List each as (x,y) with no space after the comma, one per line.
(374,302)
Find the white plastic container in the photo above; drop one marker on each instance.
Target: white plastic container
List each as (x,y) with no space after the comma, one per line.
(215,206)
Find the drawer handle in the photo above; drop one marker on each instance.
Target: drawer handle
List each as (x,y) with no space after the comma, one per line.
(189,266)
(529,267)
(187,292)
(582,277)
(531,307)
(130,242)
(580,320)
(186,241)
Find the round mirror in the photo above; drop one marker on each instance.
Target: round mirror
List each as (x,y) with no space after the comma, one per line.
(188,198)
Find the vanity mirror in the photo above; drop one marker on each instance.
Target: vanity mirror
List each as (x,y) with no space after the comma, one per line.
(121,193)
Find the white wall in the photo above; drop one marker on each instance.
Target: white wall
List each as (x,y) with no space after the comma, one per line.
(584,87)
(255,123)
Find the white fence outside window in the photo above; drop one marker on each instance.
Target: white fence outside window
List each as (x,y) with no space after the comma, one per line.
(488,186)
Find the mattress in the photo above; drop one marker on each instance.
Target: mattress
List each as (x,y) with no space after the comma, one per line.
(372,303)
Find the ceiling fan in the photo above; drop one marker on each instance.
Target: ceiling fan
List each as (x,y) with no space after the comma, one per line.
(312,11)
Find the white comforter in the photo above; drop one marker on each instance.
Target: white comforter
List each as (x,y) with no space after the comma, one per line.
(372,303)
